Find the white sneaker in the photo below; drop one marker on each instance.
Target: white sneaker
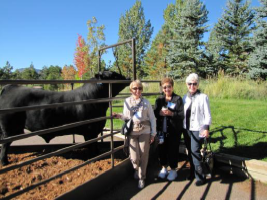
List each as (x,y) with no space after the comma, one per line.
(141,184)
(172,175)
(163,173)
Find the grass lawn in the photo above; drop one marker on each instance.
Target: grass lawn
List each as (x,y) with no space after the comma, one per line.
(238,126)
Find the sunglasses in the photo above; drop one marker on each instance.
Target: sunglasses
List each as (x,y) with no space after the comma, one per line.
(194,84)
(168,86)
(137,88)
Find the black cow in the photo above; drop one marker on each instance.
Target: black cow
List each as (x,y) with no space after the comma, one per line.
(34,120)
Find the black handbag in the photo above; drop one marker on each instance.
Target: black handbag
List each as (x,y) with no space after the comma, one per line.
(207,159)
(127,127)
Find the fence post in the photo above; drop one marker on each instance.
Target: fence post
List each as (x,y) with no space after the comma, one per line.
(73,136)
(111,127)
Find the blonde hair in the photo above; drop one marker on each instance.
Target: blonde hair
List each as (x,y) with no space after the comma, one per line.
(137,82)
(192,77)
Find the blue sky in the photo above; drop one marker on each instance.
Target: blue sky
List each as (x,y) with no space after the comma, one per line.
(45,32)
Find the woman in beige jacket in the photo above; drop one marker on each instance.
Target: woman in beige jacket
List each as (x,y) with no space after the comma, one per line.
(144,129)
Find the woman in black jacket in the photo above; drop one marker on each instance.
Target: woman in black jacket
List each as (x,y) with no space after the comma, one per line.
(169,111)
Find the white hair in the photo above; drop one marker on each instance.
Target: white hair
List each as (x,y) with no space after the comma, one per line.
(192,77)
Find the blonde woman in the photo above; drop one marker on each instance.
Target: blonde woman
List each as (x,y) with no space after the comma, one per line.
(144,129)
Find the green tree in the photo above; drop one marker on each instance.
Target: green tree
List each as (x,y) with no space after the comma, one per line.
(212,53)
(258,58)
(44,73)
(29,73)
(54,73)
(234,29)
(133,25)
(6,71)
(95,40)
(156,65)
(186,48)
(17,75)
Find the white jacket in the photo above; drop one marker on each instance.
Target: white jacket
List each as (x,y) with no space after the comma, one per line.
(200,111)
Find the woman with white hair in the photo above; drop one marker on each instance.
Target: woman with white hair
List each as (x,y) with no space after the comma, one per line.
(197,121)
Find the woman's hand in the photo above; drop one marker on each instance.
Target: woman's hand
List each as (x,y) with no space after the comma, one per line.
(152,138)
(116,115)
(205,133)
(166,113)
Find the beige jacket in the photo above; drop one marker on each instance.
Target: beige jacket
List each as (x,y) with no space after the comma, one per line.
(144,117)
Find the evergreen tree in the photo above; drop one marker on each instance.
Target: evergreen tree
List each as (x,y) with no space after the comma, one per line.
(54,73)
(133,25)
(185,52)
(156,65)
(44,73)
(234,29)
(213,58)
(29,73)
(17,75)
(258,59)
(6,71)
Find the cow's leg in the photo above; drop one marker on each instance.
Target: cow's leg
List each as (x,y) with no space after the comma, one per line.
(4,148)
(11,125)
(91,133)
(92,148)
(3,155)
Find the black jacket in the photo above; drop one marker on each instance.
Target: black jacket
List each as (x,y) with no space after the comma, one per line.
(175,122)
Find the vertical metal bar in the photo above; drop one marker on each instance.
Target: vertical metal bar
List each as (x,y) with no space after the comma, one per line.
(99,61)
(111,127)
(73,135)
(134,58)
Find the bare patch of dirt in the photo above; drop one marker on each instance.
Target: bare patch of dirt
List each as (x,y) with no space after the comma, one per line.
(21,178)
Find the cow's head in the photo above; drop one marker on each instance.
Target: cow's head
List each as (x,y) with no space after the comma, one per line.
(110,75)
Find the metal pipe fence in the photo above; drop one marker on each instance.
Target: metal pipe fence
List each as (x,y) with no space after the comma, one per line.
(66,126)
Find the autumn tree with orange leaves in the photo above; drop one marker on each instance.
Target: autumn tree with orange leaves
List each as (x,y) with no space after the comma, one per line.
(68,73)
(81,58)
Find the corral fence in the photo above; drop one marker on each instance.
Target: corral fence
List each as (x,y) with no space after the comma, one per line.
(109,133)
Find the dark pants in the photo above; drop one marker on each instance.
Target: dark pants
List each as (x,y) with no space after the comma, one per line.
(193,144)
(169,150)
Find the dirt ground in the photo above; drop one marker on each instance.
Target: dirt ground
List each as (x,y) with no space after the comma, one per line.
(21,178)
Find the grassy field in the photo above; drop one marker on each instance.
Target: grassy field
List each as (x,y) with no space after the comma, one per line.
(238,126)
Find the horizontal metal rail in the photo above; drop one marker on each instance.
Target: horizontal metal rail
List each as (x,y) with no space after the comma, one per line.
(115,45)
(55,105)
(63,173)
(3,82)
(55,153)
(51,130)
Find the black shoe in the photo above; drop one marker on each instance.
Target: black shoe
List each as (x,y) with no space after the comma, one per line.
(199,183)
(190,177)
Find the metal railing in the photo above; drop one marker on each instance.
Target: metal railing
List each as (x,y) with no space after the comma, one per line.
(113,150)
